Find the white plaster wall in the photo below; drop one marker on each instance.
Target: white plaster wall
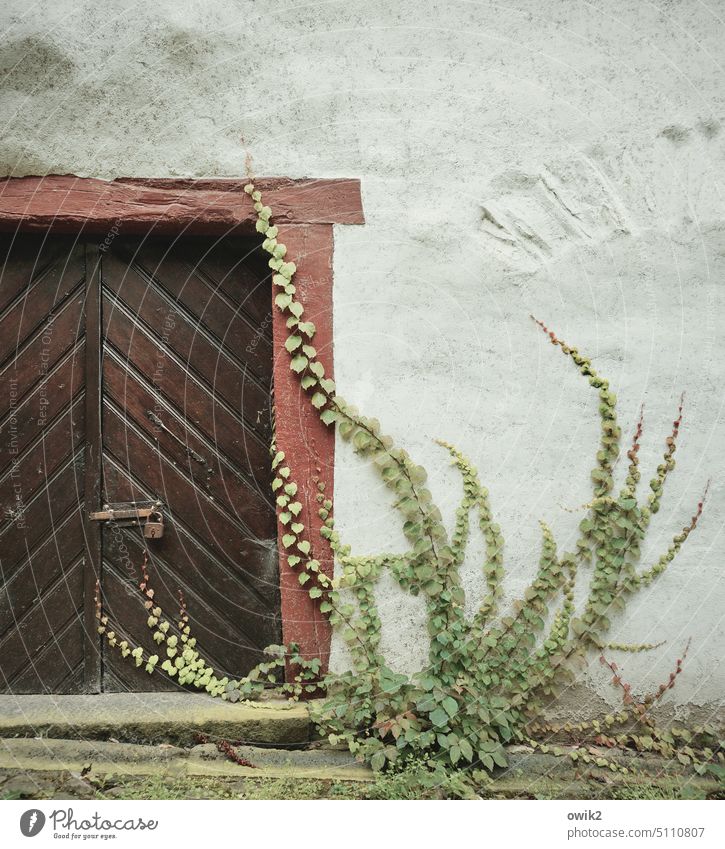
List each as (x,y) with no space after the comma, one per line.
(549,156)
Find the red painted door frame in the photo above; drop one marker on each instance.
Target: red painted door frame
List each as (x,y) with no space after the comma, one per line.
(305,212)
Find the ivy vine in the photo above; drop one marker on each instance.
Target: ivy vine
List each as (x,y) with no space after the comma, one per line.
(487,677)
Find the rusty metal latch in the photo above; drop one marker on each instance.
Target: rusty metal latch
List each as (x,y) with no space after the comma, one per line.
(147,513)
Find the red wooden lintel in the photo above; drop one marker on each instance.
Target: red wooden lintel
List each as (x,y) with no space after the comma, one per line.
(69,204)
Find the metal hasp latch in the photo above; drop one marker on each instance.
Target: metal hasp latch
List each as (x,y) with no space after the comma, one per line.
(146,513)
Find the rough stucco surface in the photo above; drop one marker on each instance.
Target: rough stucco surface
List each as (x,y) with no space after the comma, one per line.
(558,157)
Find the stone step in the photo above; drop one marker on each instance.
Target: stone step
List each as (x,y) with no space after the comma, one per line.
(103,758)
(154,717)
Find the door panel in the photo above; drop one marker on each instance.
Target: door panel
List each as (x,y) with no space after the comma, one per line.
(42,434)
(187,421)
(141,373)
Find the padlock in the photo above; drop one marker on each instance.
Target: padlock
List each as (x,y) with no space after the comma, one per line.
(154,530)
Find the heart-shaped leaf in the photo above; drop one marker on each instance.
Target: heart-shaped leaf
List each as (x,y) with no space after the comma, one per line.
(292,343)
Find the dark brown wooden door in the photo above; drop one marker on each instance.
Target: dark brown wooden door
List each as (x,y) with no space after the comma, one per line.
(163,361)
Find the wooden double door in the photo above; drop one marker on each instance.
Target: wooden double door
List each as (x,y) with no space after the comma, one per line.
(133,370)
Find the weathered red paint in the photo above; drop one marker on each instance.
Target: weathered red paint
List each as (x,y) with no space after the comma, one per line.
(194,207)
(308,444)
(304,210)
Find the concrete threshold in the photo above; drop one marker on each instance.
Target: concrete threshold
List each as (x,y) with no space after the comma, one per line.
(102,758)
(153,717)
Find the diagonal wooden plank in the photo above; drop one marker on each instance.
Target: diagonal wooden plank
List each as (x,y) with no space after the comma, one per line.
(31,468)
(175,334)
(20,412)
(161,479)
(20,533)
(238,270)
(57,668)
(30,364)
(200,461)
(44,565)
(34,312)
(40,625)
(26,260)
(223,425)
(218,644)
(245,338)
(183,563)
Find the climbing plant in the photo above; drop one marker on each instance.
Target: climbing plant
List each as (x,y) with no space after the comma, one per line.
(487,676)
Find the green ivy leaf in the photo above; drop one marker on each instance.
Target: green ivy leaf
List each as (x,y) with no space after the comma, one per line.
(318,400)
(466,749)
(450,705)
(292,343)
(298,363)
(439,717)
(361,440)
(377,762)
